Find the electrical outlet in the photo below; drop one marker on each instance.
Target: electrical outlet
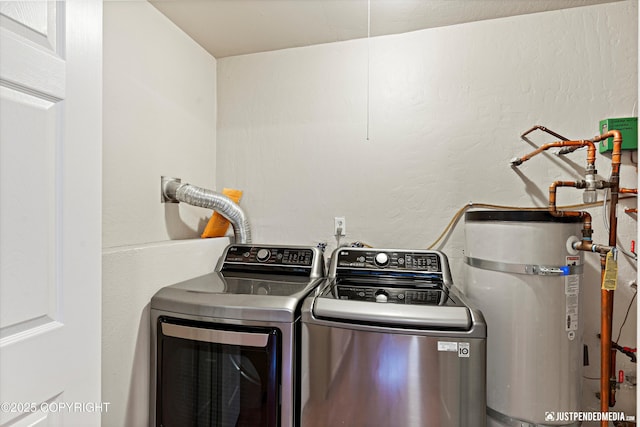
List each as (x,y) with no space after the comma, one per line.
(339,226)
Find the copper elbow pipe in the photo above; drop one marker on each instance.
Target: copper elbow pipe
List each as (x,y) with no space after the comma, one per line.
(591,153)
(552,200)
(587,231)
(616,154)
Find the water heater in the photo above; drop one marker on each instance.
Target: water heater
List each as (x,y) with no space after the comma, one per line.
(523,274)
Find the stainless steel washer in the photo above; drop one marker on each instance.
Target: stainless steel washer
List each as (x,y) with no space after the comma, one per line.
(388,341)
(225,345)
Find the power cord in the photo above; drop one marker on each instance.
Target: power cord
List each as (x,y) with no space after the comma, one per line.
(627,314)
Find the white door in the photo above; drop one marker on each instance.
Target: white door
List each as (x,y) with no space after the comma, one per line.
(50,212)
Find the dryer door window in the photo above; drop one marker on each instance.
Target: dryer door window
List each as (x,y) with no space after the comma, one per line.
(213,375)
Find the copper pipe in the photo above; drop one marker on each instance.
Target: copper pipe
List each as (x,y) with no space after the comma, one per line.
(587,231)
(606,390)
(629,191)
(544,129)
(587,246)
(552,198)
(591,153)
(616,154)
(607,383)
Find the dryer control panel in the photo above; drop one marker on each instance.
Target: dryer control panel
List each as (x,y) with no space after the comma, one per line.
(273,259)
(269,255)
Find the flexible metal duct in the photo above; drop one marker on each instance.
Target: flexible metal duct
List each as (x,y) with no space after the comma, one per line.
(174,191)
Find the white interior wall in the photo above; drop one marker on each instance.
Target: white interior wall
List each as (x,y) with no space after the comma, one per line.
(160,90)
(159,119)
(443,110)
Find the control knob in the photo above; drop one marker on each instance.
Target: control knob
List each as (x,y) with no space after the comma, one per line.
(263,255)
(381,259)
(382,296)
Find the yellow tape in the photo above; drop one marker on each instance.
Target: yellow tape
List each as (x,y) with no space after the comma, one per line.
(610,281)
(218,225)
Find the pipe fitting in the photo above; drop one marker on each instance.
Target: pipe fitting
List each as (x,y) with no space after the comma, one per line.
(586,234)
(590,195)
(567,150)
(516,161)
(588,246)
(168,187)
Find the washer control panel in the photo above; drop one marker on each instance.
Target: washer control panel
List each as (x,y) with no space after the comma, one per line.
(389,259)
(388,294)
(269,255)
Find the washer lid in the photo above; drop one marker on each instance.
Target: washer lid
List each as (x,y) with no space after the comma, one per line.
(409,316)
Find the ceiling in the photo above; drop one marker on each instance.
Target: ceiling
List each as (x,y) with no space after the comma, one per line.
(237,27)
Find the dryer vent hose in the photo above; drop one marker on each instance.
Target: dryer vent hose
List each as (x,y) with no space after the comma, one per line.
(174,191)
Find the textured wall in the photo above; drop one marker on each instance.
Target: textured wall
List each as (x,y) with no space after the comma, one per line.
(159,119)
(446,108)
